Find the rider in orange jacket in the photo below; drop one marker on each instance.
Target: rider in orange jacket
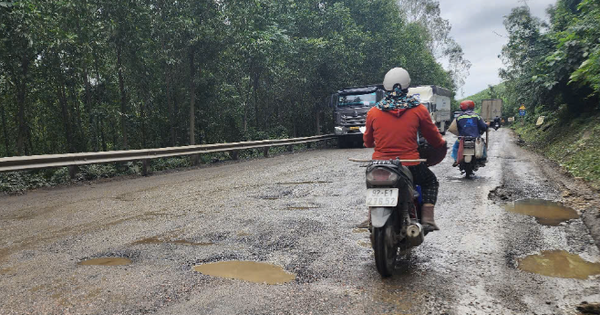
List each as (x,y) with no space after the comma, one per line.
(392,127)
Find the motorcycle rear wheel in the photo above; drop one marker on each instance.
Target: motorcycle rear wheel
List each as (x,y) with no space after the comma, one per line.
(468,168)
(385,255)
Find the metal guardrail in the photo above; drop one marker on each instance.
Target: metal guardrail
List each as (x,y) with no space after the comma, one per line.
(72,160)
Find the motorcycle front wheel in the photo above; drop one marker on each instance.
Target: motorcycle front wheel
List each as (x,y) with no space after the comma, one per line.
(385,252)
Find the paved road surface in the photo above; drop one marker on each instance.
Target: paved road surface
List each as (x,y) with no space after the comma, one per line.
(295,211)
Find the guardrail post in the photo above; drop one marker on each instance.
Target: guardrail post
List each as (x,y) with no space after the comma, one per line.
(308,145)
(72,171)
(266,152)
(233,154)
(195,159)
(290,148)
(145,167)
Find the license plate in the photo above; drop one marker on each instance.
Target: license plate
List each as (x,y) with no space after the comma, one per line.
(469,152)
(354,128)
(382,197)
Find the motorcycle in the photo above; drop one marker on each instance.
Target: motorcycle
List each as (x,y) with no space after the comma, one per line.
(395,211)
(470,154)
(496,125)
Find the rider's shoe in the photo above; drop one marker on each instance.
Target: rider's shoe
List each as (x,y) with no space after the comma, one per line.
(427,220)
(455,164)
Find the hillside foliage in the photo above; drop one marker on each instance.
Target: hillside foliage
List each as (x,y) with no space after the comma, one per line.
(103,75)
(554,64)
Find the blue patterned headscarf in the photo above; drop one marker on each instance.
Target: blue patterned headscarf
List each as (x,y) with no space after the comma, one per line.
(397,99)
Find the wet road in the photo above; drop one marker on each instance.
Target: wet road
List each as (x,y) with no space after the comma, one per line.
(298,212)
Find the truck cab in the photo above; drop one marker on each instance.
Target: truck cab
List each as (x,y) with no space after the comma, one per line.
(350,107)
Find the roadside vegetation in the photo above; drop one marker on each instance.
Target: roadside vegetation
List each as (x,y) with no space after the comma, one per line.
(81,76)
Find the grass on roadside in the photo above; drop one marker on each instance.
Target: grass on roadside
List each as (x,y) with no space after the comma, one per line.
(573,143)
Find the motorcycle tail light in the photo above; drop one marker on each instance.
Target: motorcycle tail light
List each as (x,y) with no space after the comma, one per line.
(381,176)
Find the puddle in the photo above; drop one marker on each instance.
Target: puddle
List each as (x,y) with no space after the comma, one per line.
(156,240)
(305,183)
(559,264)
(546,212)
(365,244)
(247,270)
(360,230)
(5,271)
(109,261)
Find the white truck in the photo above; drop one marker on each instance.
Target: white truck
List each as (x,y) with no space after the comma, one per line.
(491,108)
(437,100)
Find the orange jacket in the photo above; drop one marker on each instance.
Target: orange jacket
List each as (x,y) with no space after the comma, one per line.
(394,133)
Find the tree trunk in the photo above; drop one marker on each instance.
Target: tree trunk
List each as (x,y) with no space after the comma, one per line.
(62,99)
(88,109)
(170,105)
(192,97)
(123,98)
(79,144)
(102,137)
(21,99)
(4,131)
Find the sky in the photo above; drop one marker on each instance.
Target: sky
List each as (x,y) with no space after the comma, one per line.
(473,25)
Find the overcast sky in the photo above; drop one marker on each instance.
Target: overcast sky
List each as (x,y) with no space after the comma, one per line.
(473,25)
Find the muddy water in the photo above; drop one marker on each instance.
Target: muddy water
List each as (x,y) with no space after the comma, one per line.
(559,264)
(247,270)
(545,212)
(109,261)
(366,244)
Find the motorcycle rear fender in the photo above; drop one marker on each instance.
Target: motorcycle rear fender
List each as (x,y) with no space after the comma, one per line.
(468,158)
(379,216)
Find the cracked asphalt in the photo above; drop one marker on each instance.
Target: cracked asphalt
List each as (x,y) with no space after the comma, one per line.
(296,211)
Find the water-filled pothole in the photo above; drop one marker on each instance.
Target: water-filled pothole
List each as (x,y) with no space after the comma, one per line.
(366,244)
(107,261)
(248,271)
(559,264)
(5,271)
(545,212)
(156,240)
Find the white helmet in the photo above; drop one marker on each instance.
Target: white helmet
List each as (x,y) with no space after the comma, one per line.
(396,76)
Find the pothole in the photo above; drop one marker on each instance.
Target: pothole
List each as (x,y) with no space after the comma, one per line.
(5,271)
(305,183)
(156,240)
(586,308)
(302,208)
(107,261)
(365,244)
(559,264)
(500,193)
(248,271)
(545,212)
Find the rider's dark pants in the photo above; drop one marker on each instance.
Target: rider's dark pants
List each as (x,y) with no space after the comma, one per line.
(425,178)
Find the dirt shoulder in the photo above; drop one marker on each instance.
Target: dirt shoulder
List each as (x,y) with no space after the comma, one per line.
(576,193)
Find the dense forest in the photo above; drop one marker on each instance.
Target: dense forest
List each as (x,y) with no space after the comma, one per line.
(553,67)
(95,75)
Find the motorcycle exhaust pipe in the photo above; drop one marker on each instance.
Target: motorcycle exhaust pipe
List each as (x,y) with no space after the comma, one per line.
(414,233)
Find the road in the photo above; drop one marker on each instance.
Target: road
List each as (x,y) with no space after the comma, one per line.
(295,211)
